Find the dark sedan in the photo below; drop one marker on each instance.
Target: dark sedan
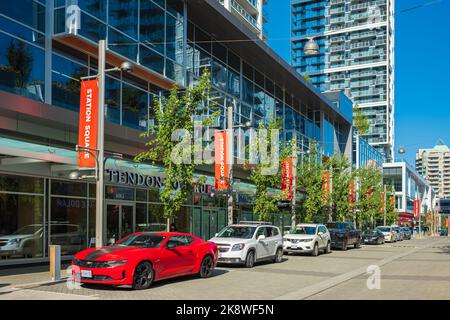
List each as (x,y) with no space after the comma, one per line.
(373,237)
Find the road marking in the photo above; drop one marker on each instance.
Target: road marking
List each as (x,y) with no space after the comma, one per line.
(309,291)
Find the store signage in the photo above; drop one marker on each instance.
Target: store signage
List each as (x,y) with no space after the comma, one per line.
(286,182)
(87,129)
(416,209)
(139,180)
(73,19)
(221,163)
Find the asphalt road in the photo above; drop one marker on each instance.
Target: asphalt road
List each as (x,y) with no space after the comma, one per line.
(414,269)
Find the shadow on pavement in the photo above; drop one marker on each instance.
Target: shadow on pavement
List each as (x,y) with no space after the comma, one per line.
(217,272)
(18,270)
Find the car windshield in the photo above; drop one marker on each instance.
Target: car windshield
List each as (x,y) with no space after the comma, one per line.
(32,229)
(384,229)
(304,230)
(371,232)
(241,232)
(143,240)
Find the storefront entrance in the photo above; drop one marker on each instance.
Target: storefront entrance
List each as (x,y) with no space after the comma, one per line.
(120,221)
(207,222)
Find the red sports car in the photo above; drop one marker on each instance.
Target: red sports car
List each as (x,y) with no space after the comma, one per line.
(144,257)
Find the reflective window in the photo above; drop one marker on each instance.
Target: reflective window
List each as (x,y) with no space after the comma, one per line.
(29,12)
(152,25)
(123,15)
(21,68)
(112,100)
(135,107)
(122,44)
(174,39)
(21,225)
(151,60)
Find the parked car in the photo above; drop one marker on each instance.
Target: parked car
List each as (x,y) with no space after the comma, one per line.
(249,242)
(389,233)
(144,257)
(406,233)
(343,234)
(308,238)
(399,233)
(373,237)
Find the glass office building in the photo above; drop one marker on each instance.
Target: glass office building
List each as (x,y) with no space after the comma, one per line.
(356,54)
(408,186)
(47,45)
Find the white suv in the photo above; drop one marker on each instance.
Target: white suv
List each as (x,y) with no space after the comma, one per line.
(249,242)
(308,238)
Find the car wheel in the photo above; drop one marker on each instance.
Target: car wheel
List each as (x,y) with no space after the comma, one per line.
(344,245)
(143,276)
(207,267)
(250,260)
(358,243)
(328,247)
(278,256)
(315,251)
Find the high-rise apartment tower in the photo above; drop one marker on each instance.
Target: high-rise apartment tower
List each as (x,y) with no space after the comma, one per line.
(356,54)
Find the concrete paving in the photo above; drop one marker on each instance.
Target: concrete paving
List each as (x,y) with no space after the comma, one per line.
(414,269)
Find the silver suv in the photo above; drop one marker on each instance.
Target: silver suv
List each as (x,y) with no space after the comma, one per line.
(249,242)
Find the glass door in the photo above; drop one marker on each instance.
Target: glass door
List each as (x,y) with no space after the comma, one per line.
(119,221)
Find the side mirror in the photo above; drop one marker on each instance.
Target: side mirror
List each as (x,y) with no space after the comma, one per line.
(261,238)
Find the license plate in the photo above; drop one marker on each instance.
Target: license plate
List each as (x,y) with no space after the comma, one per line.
(86,273)
(220,255)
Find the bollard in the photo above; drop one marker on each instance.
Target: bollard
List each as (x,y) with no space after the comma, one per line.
(55,262)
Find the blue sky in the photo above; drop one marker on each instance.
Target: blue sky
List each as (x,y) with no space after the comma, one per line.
(422,68)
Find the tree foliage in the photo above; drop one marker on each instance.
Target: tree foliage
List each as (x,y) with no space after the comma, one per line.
(20,60)
(266,200)
(360,121)
(310,182)
(341,178)
(177,112)
(370,200)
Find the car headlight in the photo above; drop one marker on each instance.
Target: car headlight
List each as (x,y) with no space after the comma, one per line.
(115,263)
(15,241)
(238,247)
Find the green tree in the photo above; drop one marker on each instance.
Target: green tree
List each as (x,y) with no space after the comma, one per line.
(266,199)
(370,200)
(307,77)
(20,60)
(177,112)
(310,182)
(360,121)
(391,213)
(341,178)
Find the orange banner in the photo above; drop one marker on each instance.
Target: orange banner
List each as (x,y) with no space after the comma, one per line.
(447,222)
(352,191)
(326,186)
(221,163)
(87,129)
(416,209)
(287,177)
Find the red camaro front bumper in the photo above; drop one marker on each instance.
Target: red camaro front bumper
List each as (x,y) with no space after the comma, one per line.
(121,275)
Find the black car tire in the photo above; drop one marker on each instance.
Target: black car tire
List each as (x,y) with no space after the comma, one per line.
(344,245)
(250,259)
(143,276)
(207,267)
(315,251)
(278,256)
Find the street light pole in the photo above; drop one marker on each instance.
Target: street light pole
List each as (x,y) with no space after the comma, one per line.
(100,231)
(384,204)
(294,183)
(230,163)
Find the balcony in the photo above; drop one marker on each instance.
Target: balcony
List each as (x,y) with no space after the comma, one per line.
(336,2)
(360,6)
(337,48)
(366,54)
(245,14)
(362,35)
